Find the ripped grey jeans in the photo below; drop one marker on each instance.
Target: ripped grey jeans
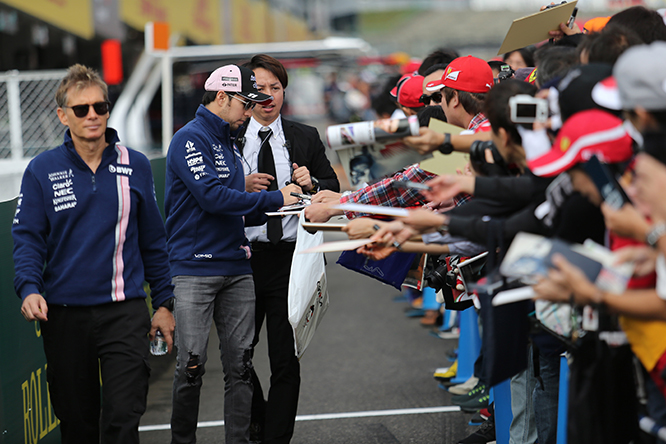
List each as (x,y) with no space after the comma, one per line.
(229,300)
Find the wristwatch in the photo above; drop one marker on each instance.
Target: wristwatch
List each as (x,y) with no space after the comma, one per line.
(168,304)
(655,233)
(446,147)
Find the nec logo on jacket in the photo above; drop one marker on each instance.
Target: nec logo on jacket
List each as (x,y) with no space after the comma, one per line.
(126,171)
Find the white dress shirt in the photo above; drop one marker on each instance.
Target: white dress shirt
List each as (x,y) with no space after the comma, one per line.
(282,168)
(661,276)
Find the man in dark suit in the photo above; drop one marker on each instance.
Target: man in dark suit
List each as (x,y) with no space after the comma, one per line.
(277,151)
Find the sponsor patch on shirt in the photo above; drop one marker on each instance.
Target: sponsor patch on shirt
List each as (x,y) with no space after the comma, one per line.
(119,169)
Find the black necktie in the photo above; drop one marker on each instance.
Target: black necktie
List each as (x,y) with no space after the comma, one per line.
(266,164)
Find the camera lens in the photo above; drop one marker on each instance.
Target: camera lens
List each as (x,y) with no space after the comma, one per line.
(437,277)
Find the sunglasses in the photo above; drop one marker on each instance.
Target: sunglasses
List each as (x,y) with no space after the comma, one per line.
(436,97)
(248,105)
(80,111)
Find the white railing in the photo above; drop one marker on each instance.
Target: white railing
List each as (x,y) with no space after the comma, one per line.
(28,120)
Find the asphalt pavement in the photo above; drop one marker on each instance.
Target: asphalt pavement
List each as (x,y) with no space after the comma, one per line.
(366,376)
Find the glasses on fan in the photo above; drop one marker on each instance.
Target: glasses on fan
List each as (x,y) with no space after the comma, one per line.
(80,111)
(436,97)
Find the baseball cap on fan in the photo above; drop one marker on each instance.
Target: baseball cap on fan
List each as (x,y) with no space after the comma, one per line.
(410,91)
(403,79)
(236,79)
(584,134)
(639,80)
(469,74)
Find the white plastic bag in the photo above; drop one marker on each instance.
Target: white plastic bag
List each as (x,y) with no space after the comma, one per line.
(308,290)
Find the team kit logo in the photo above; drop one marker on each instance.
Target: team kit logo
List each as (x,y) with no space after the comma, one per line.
(229,81)
(452,75)
(64,197)
(194,160)
(119,169)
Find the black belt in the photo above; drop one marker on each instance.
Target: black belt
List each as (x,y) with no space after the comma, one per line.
(266,246)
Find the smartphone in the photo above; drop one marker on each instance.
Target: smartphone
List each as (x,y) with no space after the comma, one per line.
(411,185)
(609,188)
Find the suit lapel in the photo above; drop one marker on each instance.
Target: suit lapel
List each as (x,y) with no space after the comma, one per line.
(239,141)
(288,129)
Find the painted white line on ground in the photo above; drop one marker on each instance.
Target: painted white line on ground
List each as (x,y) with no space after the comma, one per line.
(318,417)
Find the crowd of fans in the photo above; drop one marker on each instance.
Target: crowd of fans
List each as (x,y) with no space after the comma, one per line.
(605,89)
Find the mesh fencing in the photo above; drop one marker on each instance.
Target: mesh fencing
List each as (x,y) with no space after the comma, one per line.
(5,137)
(31,125)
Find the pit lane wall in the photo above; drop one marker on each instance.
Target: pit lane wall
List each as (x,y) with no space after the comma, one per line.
(26,414)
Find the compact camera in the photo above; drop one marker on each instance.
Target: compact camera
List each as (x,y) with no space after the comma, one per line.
(505,73)
(527,109)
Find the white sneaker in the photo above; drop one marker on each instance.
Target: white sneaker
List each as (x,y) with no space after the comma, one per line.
(465,387)
(454,333)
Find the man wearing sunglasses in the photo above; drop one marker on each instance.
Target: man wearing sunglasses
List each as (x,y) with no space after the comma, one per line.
(432,98)
(207,209)
(87,210)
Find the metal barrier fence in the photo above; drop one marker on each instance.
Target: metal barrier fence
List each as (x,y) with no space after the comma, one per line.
(28,120)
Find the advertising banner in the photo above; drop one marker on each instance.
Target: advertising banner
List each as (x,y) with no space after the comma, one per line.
(74,16)
(198,20)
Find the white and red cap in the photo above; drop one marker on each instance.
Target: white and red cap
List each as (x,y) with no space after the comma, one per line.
(236,79)
(584,134)
(639,80)
(606,94)
(469,74)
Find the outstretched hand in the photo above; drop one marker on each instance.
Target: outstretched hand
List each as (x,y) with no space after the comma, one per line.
(426,142)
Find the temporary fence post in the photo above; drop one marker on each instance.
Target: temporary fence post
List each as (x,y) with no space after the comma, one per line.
(563,401)
(503,415)
(469,345)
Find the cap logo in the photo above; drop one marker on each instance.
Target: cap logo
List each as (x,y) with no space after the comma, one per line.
(229,79)
(453,76)
(252,95)
(565,143)
(532,77)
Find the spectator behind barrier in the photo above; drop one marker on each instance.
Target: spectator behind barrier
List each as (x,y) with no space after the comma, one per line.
(606,46)
(553,62)
(441,56)
(520,58)
(647,23)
